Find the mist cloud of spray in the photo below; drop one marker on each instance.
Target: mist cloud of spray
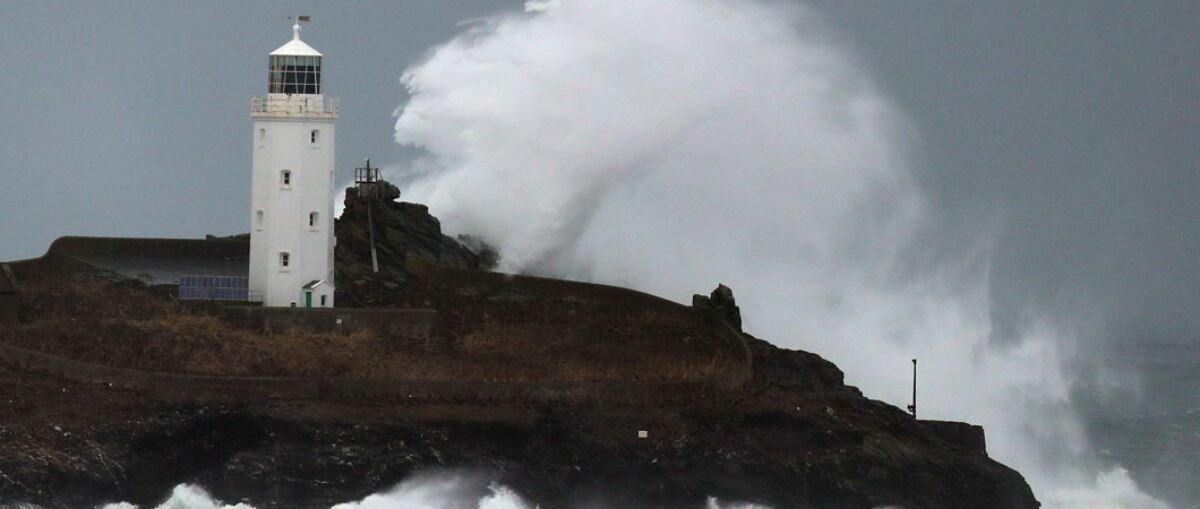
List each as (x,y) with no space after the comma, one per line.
(673,144)
(442,490)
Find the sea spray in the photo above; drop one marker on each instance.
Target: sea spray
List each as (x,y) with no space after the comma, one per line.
(430,490)
(443,490)
(1113,490)
(714,503)
(440,490)
(670,145)
(186,496)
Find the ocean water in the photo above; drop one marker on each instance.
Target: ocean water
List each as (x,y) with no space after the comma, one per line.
(1153,426)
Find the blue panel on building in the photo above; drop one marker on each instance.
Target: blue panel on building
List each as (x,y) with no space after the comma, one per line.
(214,288)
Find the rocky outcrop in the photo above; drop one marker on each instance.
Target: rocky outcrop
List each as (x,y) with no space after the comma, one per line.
(401,231)
(720,303)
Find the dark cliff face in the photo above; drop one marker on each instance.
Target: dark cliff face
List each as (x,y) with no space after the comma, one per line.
(799,438)
(793,436)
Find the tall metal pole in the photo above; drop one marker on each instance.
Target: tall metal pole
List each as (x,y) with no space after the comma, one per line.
(913,407)
(367,193)
(371,233)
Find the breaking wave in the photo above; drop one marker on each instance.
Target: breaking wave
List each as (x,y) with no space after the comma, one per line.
(441,490)
(669,145)
(458,491)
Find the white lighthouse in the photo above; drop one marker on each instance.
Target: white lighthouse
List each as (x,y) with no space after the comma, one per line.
(291,214)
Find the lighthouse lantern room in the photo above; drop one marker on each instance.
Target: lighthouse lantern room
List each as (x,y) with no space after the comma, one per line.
(291,216)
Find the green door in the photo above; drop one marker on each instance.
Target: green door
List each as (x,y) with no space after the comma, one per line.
(308,299)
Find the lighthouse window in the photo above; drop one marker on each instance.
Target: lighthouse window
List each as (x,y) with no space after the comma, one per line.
(285,259)
(291,74)
(312,220)
(262,134)
(314,134)
(258,220)
(285,178)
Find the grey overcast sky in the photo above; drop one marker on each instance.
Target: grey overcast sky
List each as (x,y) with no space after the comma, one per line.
(1070,129)
(1074,124)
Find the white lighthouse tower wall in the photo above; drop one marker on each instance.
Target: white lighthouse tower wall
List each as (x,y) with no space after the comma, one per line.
(291,213)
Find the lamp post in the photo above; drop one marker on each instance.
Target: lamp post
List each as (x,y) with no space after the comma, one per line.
(913,407)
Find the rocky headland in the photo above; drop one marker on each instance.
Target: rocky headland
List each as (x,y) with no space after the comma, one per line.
(571,394)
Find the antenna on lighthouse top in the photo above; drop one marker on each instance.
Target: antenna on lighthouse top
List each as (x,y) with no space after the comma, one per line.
(296,25)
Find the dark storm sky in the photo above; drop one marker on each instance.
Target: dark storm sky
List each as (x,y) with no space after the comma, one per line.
(1068,128)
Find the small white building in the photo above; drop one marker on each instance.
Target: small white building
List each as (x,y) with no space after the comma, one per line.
(291,213)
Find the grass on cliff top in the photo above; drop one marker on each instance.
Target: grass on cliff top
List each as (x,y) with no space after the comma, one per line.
(130,326)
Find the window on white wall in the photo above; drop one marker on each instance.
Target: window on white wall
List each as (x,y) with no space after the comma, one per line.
(285,260)
(258,220)
(314,135)
(285,178)
(323,300)
(262,134)
(314,220)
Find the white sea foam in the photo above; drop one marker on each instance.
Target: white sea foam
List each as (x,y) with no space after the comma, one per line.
(185,496)
(450,490)
(438,490)
(672,144)
(714,503)
(1112,490)
(443,490)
